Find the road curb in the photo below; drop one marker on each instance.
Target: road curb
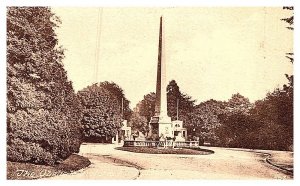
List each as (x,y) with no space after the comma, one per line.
(278,166)
(267,159)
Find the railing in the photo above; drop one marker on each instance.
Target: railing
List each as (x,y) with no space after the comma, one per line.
(167,143)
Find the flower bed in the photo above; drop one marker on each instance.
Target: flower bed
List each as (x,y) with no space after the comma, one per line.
(153,150)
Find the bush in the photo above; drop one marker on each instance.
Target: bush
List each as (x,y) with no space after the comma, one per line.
(43,112)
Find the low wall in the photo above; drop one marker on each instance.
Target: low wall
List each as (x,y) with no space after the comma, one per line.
(168,143)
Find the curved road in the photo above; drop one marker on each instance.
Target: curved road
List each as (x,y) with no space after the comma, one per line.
(109,163)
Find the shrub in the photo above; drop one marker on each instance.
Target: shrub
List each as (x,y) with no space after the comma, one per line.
(43,112)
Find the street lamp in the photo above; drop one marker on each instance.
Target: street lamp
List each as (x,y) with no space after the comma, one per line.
(194,133)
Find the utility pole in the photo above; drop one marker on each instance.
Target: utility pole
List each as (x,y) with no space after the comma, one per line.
(177,108)
(122,108)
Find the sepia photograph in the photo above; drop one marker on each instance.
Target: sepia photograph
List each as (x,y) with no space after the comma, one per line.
(149,93)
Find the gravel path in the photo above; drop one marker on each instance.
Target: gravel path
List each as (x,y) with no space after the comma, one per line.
(109,163)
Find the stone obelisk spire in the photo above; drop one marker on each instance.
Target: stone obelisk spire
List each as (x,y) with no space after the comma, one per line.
(163,93)
(158,78)
(160,122)
(161,87)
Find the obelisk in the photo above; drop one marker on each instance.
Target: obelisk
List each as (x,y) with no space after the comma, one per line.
(161,123)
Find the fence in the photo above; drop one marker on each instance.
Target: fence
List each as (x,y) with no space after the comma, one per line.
(168,143)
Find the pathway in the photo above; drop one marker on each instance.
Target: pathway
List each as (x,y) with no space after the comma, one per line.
(109,163)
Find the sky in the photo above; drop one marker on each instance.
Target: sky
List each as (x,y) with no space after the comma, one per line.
(212,53)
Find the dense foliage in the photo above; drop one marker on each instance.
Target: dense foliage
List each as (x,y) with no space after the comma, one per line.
(265,124)
(142,114)
(184,102)
(268,125)
(43,112)
(102,115)
(139,122)
(146,107)
(118,92)
(205,119)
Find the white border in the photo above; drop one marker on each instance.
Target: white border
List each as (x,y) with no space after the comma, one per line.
(152,3)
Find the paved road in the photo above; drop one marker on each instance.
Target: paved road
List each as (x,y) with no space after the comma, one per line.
(109,163)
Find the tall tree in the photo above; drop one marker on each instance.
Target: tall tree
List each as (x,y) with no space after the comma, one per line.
(43,113)
(139,122)
(101,115)
(184,101)
(118,92)
(275,112)
(235,116)
(146,107)
(238,104)
(205,119)
(142,113)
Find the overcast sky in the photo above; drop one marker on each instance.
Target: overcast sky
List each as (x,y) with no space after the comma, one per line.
(212,53)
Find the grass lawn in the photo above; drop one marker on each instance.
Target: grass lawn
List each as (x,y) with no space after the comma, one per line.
(29,171)
(152,150)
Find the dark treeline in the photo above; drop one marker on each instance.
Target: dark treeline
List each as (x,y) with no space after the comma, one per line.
(265,124)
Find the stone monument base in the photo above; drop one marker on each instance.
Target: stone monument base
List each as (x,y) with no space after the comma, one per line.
(165,129)
(161,127)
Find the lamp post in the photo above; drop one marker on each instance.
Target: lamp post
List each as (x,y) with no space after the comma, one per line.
(194,131)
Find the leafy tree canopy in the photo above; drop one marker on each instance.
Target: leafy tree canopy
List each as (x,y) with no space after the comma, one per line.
(102,114)
(43,112)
